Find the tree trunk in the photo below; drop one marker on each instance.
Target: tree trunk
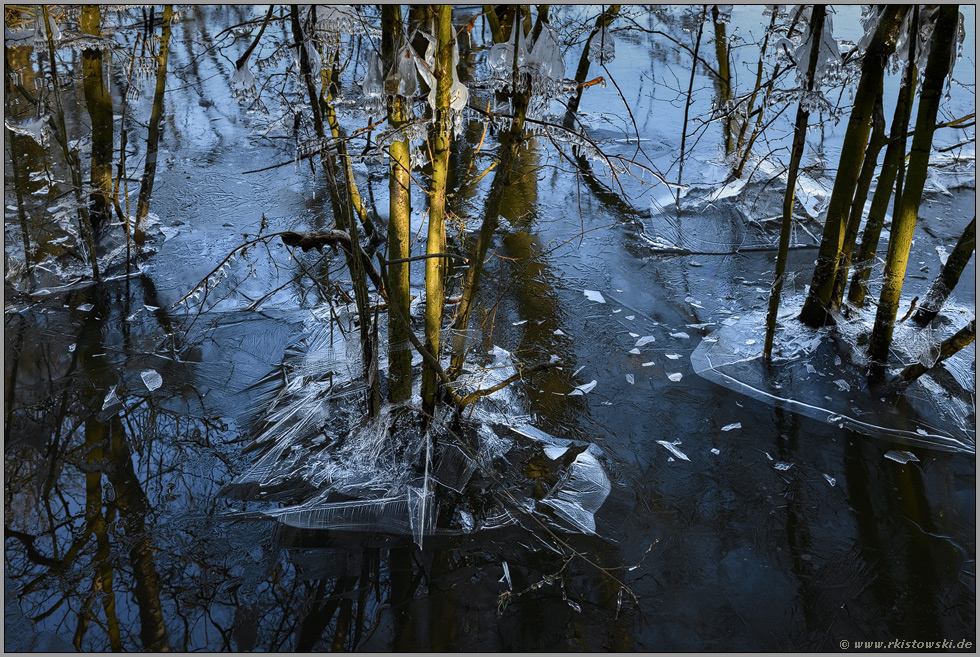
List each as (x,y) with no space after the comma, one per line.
(799,142)
(435,268)
(99,105)
(153,133)
(724,76)
(947,348)
(894,155)
(399,220)
(582,72)
(876,143)
(949,275)
(903,224)
(818,305)
(687,104)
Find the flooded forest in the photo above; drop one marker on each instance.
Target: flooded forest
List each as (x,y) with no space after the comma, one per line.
(489,327)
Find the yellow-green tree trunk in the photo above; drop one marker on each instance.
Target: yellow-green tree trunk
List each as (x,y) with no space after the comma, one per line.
(903,224)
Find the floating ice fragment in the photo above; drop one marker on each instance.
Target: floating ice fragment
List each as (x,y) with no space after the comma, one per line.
(582,389)
(71,348)
(110,399)
(152,379)
(672,448)
(673,356)
(729,427)
(85,307)
(506,577)
(750,342)
(618,310)
(631,317)
(523,321)
(810,369)
(675,377)
(922,432)
(592,295)
(555,452)
(635,351)
(782,465)
(559,332)
(649,364)
(630,379)
(843,385)
(830,480)
(646,339)
(943,255)
(151,308)
(574,605)
(634,335)
(768,456)
(680,334)
(467,521)
(715,451)
(901,457)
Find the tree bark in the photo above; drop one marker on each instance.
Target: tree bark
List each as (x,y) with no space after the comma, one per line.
(789,199)
(435,268)
(876,143)
(724,76)
(949,276)
(399,220)
(818,306)
(903,224)
(894,155)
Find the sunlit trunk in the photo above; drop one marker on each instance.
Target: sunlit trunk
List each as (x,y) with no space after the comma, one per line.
(399,220)
(903,223)
(435,268)
(818,306)
(894,155)
(875,144)
(153,133)
(789,198)
(949,276)
(99,105)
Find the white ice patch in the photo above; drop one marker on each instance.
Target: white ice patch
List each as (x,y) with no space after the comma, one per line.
(900,456)
(675,377)
(673,356)
(152,379)
(672,448)
(630,379)
(635,351)
(734,425)
(646,339)
(782,466)
(584,388)
(592,295)
(715,451)
(680,334)
(830,480)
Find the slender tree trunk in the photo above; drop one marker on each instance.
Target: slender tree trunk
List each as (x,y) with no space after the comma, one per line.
(789,199)
(949,276)
(582,72)
(687,104)
(435,268)
(153,133)
(724,76)
(894,155)
(875,144)
(959,340)
(99,105)
(399,220)
(903,224)
(818,305)
(71,158)
(510,142)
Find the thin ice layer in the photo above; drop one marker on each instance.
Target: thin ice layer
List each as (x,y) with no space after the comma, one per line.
(802,378)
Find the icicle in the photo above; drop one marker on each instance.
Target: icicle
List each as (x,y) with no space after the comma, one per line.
(602,50)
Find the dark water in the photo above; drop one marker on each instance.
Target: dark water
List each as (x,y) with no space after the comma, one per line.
(116,536)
